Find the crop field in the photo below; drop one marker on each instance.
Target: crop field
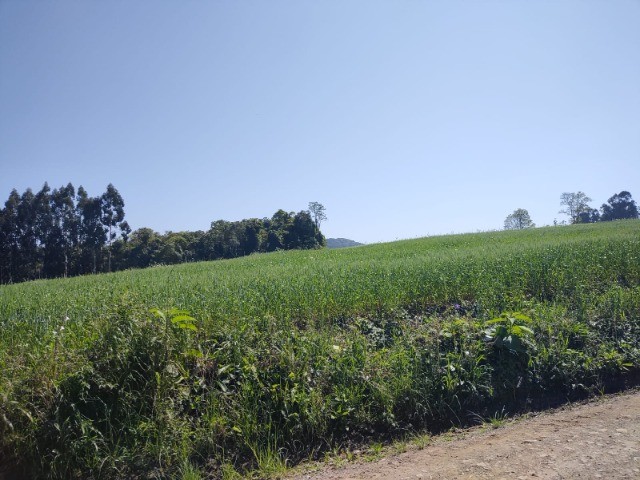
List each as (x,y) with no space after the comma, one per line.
(245,366)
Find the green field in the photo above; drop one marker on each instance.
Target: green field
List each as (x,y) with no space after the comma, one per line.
(254,363)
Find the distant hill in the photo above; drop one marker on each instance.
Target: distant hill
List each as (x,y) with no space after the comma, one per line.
(341,243)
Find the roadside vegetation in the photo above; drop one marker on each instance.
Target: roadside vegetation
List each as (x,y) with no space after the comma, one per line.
(216,369)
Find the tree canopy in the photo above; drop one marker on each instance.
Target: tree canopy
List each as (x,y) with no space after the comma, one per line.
(619,207)
(575,204)
(317,211)
(518,220)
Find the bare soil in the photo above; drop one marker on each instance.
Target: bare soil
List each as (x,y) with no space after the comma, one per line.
(598,439)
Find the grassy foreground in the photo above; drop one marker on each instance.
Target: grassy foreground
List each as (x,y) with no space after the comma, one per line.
(216,368)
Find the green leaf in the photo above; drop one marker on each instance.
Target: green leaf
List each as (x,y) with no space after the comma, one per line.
(522,317)
(186,326)
(520,329)
(493,321)
(174,312)
(182,318)
(156,312)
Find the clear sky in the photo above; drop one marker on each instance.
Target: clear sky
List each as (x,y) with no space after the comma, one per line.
(404,118)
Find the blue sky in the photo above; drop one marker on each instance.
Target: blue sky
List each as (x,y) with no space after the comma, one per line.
(404,118)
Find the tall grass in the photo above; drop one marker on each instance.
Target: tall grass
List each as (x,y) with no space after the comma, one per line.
(282,356)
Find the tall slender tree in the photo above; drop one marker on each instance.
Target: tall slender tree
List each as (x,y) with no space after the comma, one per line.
(42,219)
(112,206)
(65,227)
(92,234)
(317,211)
(10,236)
(27,236)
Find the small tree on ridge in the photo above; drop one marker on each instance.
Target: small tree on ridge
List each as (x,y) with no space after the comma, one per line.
(317,212)
(518,220)
(576,204)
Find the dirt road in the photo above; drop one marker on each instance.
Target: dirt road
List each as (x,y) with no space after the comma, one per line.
(600,439)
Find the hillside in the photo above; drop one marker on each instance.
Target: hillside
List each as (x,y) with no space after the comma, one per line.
(341,243)
(257,362)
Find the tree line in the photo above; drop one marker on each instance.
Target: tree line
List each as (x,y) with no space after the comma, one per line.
(65,232)
(620,206)
(224,239)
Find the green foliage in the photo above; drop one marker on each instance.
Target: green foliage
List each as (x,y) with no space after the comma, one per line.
(620,206)
(518,220)
(317,211)
(510,332)
(575,203)
(61,234)
(216,369)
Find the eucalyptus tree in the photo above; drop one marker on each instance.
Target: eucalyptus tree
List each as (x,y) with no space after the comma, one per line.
(619,207)
(27,235)
(317,211)
(42,224)
(65,226)
(92,235)
(9,239)
(112,207)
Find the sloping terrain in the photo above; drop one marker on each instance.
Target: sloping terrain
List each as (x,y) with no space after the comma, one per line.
(341,243)
(214,369)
